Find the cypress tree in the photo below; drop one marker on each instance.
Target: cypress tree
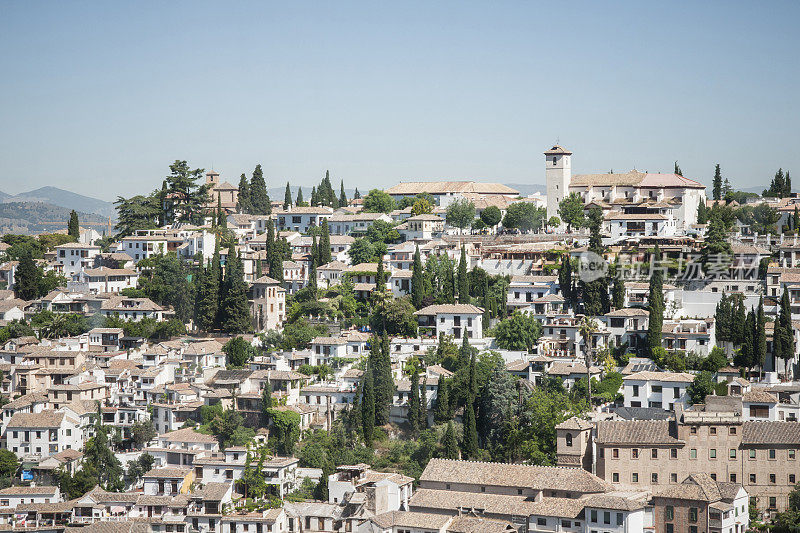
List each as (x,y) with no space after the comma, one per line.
(618,295)
(441,413)
(222,219)
(717,184)
(417,281)
(312,273)
(655,305)
(287,197)
(786,335)
(314,199)
(356,195)
(26,278)
(259,198)
(470,441)
(207,301)
(274,255)
(243,203)
(380,283)
(163,213)
(235,307)
(463,279)
(796,220)
(465,352)
(384,384)
(760,344)
(487,301)
(423,404)
(448,293)
(788,188)
(413,403)
(565,279)
(368,407)
(325,244)
(299,202)
(449,442)
(342,196)
(74,228)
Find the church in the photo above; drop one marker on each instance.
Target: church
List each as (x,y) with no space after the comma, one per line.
(634,204)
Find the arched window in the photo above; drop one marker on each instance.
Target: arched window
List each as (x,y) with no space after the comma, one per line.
(569,439)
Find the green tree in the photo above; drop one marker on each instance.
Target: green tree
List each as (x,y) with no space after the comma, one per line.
(143,432)
(469,444)
(449,442)
(287,197)
(570,209)
(165,280)
(463,279)
(491,216)
(702,386)
(259,198)
(286,426)
(186,198)
(784,333)
(342,195)
(237,352)
(655,304)
(299,202)
(618,292)
(460,213)
(677,170)
(565,280)
(765,218)
(361,251)
(208,291)
(417,280)
(234,307)
(243,203)
(520,331)
(383,383)
(525,216)
(413,403)
(717,183)
(324,249)
(377,201)
(73,227)
(368,408)
(138,212)
(27,277)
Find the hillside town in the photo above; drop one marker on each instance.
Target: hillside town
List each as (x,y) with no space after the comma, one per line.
(617,355)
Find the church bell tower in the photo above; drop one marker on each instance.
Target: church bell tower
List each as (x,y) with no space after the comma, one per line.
(558,174)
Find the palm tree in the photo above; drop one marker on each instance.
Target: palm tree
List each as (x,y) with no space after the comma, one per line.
(587,328)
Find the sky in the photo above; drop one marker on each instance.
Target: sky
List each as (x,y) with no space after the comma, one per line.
(100,97)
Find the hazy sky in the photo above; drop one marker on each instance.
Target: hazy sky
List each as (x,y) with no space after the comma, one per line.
(99,97)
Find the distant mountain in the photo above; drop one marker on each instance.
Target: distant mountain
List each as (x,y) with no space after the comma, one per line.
(40,217)
(526,189)
(66,199)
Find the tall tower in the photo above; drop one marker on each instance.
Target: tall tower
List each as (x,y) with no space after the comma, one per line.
(557,174)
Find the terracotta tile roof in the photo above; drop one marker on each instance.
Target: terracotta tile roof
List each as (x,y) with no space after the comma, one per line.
(443,187)
(468,524)
(636,432)
(754,432)
(515,475)
(450,308)
(187,435)
(410,519)
(453,500)
(45,419)
(759,396)
(671,377)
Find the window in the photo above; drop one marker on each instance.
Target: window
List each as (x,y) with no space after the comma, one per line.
(673,477)
(712,453)
(752,478)
(712,430)
(606,517)
(670,528)
(791,455)
(773,502)
(772,479)
(569,439)
(566,523)
(792,479)
(483,489)
(693,430)
(636,390)
(692,514)
(693,453)
(731,430)
(752,454)
(673,453)
(614,452)
(732,453)
(669,513)
(656,389)
(635,453)
(635,477)
(692,529)
(772,454)
(615,477)
(619,519)
(519,492)
(594,515)
(654,453)
(733,478)
(541,521)
(654,478)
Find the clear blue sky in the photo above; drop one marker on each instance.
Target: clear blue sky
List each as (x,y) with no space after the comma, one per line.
(99,97)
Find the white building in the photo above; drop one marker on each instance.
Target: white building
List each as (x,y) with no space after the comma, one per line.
(452,319)
(656,389)
(72,257)
(42,434)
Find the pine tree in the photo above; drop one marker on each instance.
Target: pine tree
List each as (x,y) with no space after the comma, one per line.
(243,204)
(417,280)
(356,195)
(287,197)
(325,244)
(26,278)
(717,184)
(368,407)
(73,227)
(413,403)
(299,202)
(463,279)
(234,306)
(258,193)
(449,443)
(655,305)
(342,196)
